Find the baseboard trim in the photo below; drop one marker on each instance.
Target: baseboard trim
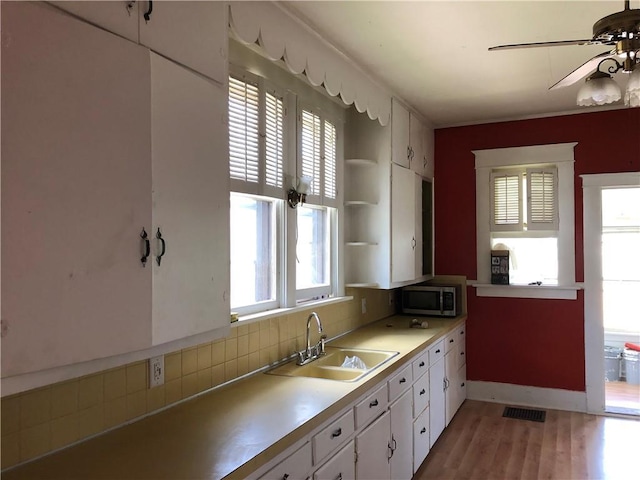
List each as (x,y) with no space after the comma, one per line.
(552,398)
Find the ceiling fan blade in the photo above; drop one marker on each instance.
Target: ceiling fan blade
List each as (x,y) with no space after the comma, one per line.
(582,71)
(543,44)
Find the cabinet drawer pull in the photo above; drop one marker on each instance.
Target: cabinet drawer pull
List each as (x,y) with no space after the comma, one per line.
(462,332)
(164,246)
(147,247)
(451,341)
(438,351)
(337,433)
(423,391)
(462,384)
(403,380)
(421,364)
(147,14)
(424,430)
(374,403)
(339,477)
(461,353)
(285,476)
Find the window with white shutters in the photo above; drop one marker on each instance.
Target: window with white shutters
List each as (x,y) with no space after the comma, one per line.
(506,201)
(310,154)
(542,201)
(330,148)
(274,140)
(243,130)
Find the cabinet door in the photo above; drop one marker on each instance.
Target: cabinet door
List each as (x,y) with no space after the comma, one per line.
(400,124)
(436,401)
(193,34)
(451,384)
(417,225)
(373,451)
(402,437)
(403,217)
(75,191)
(190,202)
(119,17)
(416,140)
(428,152)
(420,439)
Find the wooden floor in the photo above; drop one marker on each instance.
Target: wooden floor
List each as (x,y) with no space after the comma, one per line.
(481,444)
(622,397)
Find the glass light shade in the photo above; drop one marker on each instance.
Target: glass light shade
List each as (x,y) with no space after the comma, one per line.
(599,90)
(632,96)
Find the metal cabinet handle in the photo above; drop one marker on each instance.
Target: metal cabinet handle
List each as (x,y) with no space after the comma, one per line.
(164,246)
(337,433)
(421,364)
(461,353)
(403,380)
(147,14)
(408,152)
(339,477)
(438,351)
(423,391)
(147,247)
(374,403)
(129,6)
(285,476)
(424,430)
(451,340)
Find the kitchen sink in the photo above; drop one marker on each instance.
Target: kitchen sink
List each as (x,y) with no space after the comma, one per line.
(329,366)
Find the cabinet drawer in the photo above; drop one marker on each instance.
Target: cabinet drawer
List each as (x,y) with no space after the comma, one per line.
(371,407)
(295,466)
(341,465)
(332,436)
(436,352)
(400,383)
(421,365)
(420,439)
(450,342)
(420,395)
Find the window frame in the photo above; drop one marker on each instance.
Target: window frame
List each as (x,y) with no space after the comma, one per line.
(561,156)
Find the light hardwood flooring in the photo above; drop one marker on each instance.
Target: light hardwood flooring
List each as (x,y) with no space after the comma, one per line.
(622,397)
(481,444)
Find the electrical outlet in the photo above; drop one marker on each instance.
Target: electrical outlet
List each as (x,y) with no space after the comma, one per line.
(156,371)
(364,306)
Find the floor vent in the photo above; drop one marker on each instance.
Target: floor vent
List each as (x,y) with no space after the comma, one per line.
(524,414)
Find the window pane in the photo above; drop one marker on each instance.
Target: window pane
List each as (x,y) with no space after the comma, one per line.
(312,253)
(530,259)
(252,250)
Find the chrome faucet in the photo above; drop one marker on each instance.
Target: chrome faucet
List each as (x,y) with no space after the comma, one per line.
(311,353)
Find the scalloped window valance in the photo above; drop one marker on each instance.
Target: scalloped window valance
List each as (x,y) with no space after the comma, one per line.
(281,36)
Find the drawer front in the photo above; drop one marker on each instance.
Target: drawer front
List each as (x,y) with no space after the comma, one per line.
(331,437)
(400,383)
(450,342)
(420,439)
(295,466)
(371,407)
(421,365)
(436,352)
(420,395)
(341,466)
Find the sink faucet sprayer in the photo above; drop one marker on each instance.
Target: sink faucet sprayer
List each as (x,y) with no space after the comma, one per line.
(311,353)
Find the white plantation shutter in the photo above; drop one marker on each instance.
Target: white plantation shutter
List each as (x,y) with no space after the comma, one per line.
(330,150)
(311,137)
(506,201)
(243,131)
(274,140)
(542,199)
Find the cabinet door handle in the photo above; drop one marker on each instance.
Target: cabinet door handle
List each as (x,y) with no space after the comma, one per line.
(462,384)
(374,403)
(408,152)
(339,477)
(423,391)
(147,247)
(285,476)
(337,433)
(424,430)
(164,246)
(451,341)
(421,364)
(403,380)
(461,353)
(129,6)
(438,351)
(147,14)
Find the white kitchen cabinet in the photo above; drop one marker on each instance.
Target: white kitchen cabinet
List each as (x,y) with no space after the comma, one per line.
(373,451)
(296,466)
(190,33)
(411,141)
(401,441)
(102,138)
(421,443)
(437,408)
(455,372)
(406,195)
(340,466)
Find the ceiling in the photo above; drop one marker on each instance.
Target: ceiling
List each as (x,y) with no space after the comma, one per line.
(433,54)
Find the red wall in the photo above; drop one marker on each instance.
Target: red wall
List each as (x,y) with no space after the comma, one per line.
(524,341)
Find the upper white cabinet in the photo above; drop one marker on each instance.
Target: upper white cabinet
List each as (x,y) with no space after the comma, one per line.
(406,196)
(100,139)
(411,141)
(193,34)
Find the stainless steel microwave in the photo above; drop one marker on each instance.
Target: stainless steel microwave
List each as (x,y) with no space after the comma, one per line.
(432,300)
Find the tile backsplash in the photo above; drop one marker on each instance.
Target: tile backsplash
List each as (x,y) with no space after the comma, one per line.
(48,418)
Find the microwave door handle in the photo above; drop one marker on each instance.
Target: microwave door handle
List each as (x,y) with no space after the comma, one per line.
(441,302)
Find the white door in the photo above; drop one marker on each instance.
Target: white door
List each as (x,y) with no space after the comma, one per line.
(373,451)
(451,392)
(190,203)
(76,179)
(403,224)
(612,287)
(402,437)
(436,401)
(400,148)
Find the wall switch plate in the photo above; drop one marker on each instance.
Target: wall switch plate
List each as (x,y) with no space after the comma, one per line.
(156,371)
(364,305)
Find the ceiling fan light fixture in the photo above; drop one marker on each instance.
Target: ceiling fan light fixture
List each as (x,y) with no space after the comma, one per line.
(599,89)
(632,95)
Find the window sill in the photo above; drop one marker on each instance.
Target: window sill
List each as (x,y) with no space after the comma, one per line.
(256,317)
(558,292)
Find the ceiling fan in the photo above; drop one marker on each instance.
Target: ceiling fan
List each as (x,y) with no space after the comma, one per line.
(620,30)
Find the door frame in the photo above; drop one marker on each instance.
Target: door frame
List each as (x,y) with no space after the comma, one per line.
(592,186)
